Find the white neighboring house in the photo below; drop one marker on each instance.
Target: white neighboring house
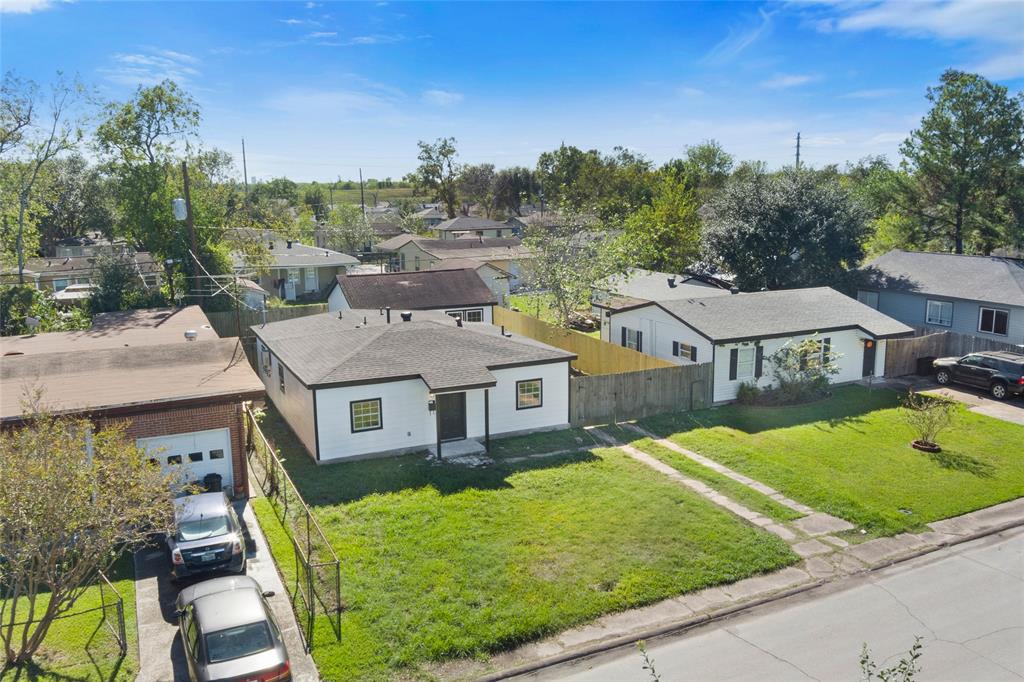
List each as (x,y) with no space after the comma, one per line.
(737,333)
(638,286)
(454,292)
(296,271)
(355,385)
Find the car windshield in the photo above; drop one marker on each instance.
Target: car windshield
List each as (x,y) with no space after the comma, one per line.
(244,640)
(198,529)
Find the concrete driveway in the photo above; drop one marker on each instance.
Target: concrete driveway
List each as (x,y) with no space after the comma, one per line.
(966,602)
(977,400)
(161,656)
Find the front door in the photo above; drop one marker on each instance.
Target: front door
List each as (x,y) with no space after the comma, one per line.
(869,358)
(452,408)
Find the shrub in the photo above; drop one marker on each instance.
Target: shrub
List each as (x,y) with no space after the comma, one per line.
(748,394)
(927,415)
(802,370)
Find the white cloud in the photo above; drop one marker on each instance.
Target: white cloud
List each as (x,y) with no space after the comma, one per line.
(993,29)
(376,39)
(787,80)
(322,34)
(688,91)
(24,6)
(309,101)
(442,98)
(876,93)
(739,40)
(311,5)
(293,22)
(151,66)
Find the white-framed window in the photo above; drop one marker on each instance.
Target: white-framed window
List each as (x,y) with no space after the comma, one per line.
(60,284)
(311,281)
(868,298)
(745,358)
(469,315)
(401,262)
(684,350)
(529,394)
(280,376)
(365,415)
(417,262)
(631,338)
(293,276)
(994,321)
(940,313)
(265,359)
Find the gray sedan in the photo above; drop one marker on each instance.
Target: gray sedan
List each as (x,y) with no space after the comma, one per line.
(229,633)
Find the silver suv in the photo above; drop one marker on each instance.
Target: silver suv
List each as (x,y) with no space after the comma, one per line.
(207,536)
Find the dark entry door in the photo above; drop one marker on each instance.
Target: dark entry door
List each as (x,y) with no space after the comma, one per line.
(869,358)
(453,415)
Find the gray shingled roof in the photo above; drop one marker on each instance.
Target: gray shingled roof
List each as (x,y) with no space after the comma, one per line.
(297,255)
(325,350)
(990,279)
(464,222)
(766,314)
(649,285)
(416,290)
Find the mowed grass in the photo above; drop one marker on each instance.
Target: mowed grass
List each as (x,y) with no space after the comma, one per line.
(442,561)
(850,456)
(81,647)
(541,306)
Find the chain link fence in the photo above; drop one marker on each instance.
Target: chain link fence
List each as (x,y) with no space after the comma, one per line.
(317,586)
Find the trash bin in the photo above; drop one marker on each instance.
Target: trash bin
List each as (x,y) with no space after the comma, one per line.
(213,483)
(924,366)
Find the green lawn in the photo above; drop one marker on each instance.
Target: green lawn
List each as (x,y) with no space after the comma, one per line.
(850,456)
(441,561)
(80,647)
(540,306)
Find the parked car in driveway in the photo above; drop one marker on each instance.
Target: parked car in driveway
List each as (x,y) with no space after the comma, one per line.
(229,633)
(1001,373)
(207,536)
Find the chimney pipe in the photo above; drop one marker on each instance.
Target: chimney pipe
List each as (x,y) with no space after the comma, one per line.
(734,290)
(339,315)
(672,282)
(387,314)
(289,243)
(458,320)
(364,320)
(407,316)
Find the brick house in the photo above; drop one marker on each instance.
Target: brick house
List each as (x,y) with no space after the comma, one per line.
(182,399)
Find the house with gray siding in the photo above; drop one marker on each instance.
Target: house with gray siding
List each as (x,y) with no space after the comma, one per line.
(979,296)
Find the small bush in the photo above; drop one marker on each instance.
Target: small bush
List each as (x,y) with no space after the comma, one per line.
(927,415)
(748,394)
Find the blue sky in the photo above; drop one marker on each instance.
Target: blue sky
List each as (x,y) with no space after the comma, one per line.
(319,89)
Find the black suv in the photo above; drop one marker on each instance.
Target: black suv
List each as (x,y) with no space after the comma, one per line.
(1001,373)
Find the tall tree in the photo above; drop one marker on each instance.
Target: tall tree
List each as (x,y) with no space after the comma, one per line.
(706,167)
(608,185)
(72,497)
(965,161)
(476,186)
(511,187)
(792,229)
(347,229)
(665,234)
(78,201)
(315,199)
(439,171)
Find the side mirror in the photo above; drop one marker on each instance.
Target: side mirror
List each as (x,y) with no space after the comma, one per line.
(179,613)
(269,593)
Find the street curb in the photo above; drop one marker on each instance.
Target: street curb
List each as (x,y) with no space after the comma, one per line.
(588,651)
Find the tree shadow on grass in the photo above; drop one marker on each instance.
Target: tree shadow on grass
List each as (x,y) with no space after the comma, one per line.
(957,461)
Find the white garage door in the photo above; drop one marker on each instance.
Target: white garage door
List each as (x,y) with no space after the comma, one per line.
(199,452)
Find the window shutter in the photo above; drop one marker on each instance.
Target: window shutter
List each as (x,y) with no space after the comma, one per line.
(639,342)
(693,353)
(675,349)
(623,337)
(734,358)
(759,362)
(826,350)
(803,361)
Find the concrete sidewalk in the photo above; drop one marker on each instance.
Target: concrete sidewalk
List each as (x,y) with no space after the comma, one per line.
(681,613)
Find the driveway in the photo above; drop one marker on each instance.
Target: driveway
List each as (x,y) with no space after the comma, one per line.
(161,657)
(966,602)
(977,400)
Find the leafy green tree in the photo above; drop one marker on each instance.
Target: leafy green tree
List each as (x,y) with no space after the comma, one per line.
(119,286)
(77,201)
(476,186)
(609,186)
(439,171)
(347,229)
(315,200)
(665,234)
(511,187)
(21,301)
(792,229)
(965,161)
(705,168)
(280,189)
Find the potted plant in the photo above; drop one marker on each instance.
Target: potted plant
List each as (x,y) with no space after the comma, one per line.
(928,416)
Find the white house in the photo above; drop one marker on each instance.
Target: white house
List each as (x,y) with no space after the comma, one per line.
(296,271)
(454,292)
(737,333)
(355,384)
(462,225)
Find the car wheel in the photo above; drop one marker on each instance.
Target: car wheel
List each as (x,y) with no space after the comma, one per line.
(998,390)
(942,376)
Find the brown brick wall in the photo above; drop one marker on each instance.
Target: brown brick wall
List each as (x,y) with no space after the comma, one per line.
(202,418)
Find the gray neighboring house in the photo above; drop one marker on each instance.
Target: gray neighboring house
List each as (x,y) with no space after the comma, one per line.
(979,296)
(296,271)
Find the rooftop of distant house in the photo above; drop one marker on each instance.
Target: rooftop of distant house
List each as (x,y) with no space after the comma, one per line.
(992,279)
(424,290)
(465,223)
(289,253)
(638,285)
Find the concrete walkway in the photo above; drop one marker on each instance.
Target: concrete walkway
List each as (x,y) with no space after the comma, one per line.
(161,657)
(966,602)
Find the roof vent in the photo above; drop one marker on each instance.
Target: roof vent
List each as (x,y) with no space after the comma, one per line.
(672,282)
(734,290)
(458,320)
(339,315)
(289,243)
(191,334)
(407,316)
(270,246)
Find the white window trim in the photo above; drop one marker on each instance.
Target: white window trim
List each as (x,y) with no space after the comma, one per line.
(928,316)
(632,338)
(740,362)
(981,312)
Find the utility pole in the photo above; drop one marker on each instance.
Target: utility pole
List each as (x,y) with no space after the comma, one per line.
(190,224)
(245,170)
(798,151)
(362,198)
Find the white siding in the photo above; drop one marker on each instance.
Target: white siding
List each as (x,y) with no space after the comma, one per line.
(488,312)
(847,345)
(409,424)
(295,404)
(497,281)
(336,300)
(659,329)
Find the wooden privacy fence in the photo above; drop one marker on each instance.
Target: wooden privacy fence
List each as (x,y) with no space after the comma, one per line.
(226,323)
(901,355)
(601,399)
(595,356)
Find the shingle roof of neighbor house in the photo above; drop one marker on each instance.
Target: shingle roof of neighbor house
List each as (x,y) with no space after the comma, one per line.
(328,350)
(76,266)
(990,279)
(129,361)
(648,285)
(416,290)
(296,255)
(462,223)
(486,248)
(767,314)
